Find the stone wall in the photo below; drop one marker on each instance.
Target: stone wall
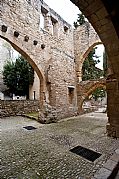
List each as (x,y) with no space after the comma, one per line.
(12,108)
(50,51)
(55,51)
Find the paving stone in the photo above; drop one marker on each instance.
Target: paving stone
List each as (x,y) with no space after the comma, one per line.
(44,153)
(110,164)
(115,157)
(103,173)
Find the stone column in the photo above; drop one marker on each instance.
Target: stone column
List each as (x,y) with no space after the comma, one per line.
(113,107)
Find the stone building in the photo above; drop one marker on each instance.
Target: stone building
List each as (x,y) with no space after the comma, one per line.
(50,51)
(56,51)
(52,47)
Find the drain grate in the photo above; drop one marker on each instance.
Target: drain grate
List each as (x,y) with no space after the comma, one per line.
(29,127)
(86,153)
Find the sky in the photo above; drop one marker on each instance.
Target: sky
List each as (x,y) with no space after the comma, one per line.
(65,8)
(68,11)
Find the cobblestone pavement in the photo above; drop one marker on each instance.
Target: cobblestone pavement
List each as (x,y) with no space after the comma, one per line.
(44,153)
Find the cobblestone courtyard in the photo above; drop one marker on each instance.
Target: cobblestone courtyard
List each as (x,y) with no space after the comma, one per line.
(44,153)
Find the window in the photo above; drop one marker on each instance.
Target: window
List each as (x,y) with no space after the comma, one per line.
(41,21)
(71,94)
(66,29)
(54,26)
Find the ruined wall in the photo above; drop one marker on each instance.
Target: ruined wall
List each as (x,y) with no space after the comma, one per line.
(55,50)
(50,51)
(12,108)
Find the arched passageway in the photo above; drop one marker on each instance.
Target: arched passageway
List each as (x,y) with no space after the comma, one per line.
(85,39)
(37,69)
(86,88)
(104,16)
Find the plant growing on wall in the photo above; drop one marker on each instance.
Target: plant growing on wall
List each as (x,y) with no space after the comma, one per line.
(80,20)
(17,76)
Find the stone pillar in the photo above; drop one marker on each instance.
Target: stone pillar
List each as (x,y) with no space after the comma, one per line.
(113,107)
(48,23)
(79,76)
(42,95)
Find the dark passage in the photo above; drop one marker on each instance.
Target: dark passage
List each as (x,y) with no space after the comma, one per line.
(86,153)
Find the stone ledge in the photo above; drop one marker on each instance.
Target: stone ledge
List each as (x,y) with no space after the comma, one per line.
(110,169)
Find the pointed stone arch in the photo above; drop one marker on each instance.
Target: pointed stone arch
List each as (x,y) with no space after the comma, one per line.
(25,53)
(83,57)
(85,39)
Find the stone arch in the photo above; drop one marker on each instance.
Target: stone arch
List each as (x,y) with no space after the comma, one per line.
(85,38)
(100,15)
(83,57)
(91,90)
(24,52)
(86,88)
(88,51)
(104,16)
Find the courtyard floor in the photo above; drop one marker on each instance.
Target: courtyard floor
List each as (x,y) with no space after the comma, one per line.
(44,153)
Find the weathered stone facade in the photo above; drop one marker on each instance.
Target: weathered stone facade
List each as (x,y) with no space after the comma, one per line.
(51,54)
(53,57)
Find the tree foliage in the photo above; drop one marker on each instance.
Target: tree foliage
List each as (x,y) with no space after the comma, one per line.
(91,72)
(17,76)
(89,69)
(80,20)
(98,93)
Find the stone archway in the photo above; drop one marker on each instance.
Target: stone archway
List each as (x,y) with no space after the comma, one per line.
(20,24)
(85,38)
(86,88)
(83,57)
(29,58)
(104,16)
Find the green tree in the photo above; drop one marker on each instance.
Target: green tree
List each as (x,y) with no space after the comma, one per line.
(80,20)
(17,76)
(98,93)
(89,69)
(91,72)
